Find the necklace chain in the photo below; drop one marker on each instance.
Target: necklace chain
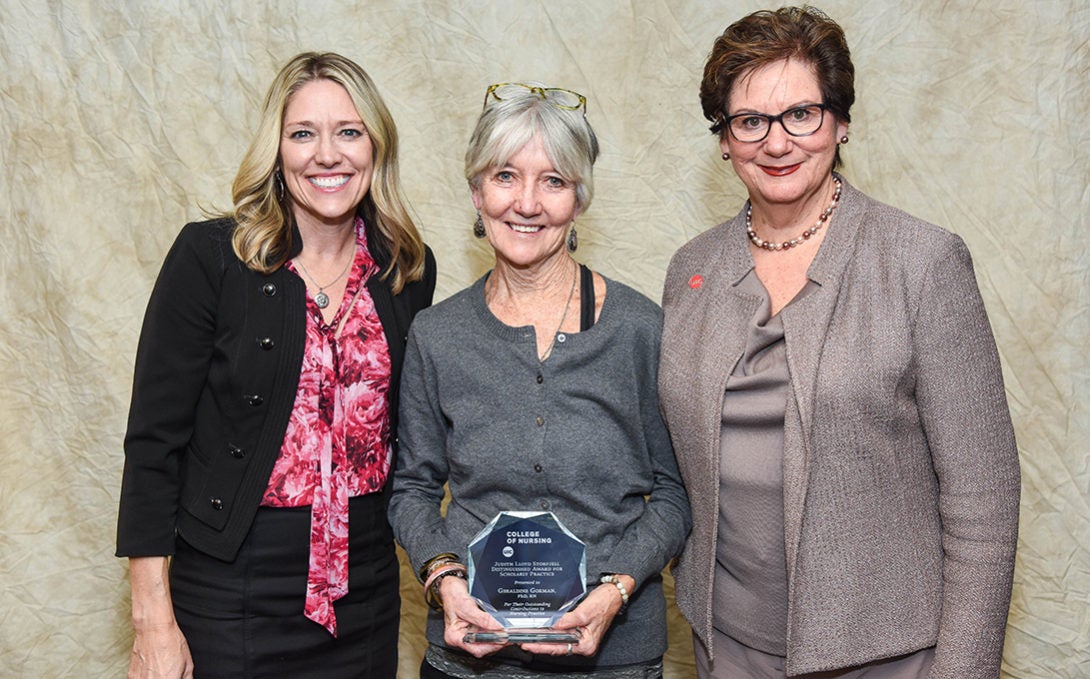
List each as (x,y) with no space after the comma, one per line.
(320,298)
(788,244)
(571,293)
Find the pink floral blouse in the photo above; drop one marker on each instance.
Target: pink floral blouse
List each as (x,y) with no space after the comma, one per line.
(337,443)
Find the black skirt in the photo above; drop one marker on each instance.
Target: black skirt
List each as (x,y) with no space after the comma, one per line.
(245,618)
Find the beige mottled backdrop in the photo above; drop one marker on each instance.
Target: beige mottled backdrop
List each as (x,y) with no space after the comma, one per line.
(122,120)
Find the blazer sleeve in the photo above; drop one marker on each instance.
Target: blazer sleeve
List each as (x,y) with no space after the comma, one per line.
(172,362)
(659,535)
(964,413)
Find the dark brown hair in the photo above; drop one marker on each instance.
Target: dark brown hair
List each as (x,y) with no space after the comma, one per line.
(765,37)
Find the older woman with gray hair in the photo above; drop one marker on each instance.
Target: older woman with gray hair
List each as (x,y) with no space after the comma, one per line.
(535,388)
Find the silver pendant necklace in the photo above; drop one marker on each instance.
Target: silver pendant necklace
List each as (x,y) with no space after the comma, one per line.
(571,293)
(320,298)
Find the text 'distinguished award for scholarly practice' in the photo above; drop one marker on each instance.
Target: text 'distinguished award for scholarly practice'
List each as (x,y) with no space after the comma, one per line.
(526,570)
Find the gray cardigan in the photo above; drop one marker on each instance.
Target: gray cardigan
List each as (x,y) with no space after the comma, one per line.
(586,442)
(901,478)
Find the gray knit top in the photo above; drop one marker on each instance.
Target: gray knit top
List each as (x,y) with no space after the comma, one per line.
(579,435)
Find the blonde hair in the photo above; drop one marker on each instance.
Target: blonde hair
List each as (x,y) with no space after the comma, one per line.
(262,237)
(507,125)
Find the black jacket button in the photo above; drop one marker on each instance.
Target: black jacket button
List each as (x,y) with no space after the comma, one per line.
(216,503)
(236,452)
(254,399)
(266,343)
(269,289)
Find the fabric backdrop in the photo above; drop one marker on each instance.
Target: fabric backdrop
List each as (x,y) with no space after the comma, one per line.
(121,121)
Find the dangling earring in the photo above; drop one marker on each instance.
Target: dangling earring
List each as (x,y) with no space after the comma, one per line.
(844,139)
(478,226)
(726,156)
(279,179)
(573,239)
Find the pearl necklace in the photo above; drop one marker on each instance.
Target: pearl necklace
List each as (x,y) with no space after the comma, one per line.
(788,244)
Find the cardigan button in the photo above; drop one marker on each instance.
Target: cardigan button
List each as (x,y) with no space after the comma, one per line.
(254,399)
(216,503)
(540,421)
(269,289)
(266,343)
(537,468)
(236,452)
(544,504)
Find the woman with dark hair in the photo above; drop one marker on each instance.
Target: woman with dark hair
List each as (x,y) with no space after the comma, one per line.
(260,438)
(834,396)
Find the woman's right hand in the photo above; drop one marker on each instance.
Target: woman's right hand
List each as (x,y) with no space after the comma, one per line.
(160,652)
(159,649)
(462,615)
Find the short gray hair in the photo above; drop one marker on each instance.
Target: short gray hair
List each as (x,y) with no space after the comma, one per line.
(507,125)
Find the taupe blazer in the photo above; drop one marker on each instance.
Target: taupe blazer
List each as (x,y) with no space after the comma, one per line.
(900,472)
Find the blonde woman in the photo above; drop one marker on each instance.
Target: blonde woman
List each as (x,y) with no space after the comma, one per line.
(264,402)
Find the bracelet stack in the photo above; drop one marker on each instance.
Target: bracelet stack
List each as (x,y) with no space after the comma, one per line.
(430,564)
(432,573)
(611,579)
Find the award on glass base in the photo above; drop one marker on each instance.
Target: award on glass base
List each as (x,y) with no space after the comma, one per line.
(526,570)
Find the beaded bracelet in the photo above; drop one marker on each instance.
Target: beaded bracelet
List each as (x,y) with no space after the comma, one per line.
(611,579)
(434,562)
(432,596)
(431,586)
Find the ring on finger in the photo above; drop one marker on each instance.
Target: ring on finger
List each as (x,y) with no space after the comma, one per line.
(569,649)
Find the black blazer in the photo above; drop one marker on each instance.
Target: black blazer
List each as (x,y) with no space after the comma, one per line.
(216,373)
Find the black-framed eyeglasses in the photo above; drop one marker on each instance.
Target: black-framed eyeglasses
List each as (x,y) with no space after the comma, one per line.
(557,96)
(798,121)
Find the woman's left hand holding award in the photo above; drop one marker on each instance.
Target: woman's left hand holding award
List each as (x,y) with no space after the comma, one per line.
(464,617)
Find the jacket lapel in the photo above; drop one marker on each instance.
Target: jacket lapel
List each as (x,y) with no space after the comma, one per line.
(806,327)
(727,314)
(706,318)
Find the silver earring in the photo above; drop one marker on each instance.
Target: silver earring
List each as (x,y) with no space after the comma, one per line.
(478,226)
(279,184)
(573,239)
(844,139)
(726,156)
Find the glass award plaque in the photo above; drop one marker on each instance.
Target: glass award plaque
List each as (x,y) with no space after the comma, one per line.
(526,570)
